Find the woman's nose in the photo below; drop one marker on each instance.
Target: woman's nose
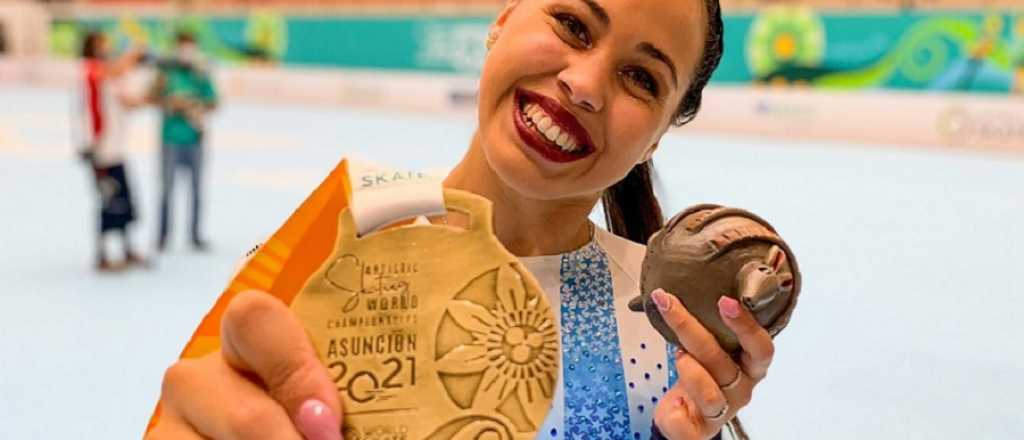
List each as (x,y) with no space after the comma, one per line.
(583,85)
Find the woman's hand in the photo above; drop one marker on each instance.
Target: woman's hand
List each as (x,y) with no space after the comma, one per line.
(266,382)
(712,387)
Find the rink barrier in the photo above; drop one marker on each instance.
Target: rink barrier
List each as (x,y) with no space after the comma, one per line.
(961,121)
(975,50)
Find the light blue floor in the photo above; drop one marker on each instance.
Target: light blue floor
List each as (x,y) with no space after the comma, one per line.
(909,324)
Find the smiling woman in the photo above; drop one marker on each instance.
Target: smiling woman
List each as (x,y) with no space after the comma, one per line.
(575,96)
(627,78)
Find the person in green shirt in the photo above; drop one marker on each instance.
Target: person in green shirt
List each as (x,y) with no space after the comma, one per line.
(186,95)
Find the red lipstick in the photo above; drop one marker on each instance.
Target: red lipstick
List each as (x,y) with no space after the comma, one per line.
(565,120)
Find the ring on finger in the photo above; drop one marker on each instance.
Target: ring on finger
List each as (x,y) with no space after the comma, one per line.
(720,415)
(734,382)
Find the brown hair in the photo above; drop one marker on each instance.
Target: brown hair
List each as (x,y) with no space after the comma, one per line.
(91,45)
(631,209)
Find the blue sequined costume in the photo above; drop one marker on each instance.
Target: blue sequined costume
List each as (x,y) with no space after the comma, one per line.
(615,366)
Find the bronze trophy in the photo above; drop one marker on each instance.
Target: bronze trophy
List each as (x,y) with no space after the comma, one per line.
(708,251)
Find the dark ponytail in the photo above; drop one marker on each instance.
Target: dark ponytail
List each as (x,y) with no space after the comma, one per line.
(631,209)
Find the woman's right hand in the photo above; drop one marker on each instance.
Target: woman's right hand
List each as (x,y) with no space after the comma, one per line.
(266,382)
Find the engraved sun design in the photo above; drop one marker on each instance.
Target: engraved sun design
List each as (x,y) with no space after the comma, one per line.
(514,345)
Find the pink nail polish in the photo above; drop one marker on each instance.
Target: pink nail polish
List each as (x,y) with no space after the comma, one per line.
(316,421)
(661,300)
(729,307)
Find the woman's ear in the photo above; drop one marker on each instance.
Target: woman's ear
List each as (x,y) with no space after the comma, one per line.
(499,23)
(649,153)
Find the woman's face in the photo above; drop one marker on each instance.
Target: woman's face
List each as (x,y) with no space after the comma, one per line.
(574,93)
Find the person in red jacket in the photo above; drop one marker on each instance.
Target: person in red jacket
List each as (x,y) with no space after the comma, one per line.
(104,102)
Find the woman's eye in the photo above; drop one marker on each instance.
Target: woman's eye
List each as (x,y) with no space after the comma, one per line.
(575,28)
(643,79)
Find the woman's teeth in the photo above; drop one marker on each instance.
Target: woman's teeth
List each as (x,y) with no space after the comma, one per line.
(544,125)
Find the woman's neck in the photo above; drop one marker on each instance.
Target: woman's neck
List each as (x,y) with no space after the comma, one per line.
(525,226)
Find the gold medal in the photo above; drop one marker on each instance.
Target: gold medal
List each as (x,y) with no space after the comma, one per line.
(433,332)
(430,332)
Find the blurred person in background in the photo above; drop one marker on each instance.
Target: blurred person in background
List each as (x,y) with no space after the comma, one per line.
(105,100)
(185,95)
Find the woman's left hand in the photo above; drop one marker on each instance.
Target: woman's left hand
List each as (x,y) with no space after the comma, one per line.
(712,387)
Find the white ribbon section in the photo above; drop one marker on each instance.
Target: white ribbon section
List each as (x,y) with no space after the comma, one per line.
(382,196)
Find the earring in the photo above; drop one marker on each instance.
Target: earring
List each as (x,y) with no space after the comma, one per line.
(492,37)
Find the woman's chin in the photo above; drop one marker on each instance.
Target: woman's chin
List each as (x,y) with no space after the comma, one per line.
(526,177)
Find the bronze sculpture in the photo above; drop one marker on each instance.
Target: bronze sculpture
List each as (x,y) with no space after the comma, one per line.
(708,251)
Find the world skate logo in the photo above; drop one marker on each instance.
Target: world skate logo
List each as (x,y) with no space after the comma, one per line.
(385,178)
(373,286)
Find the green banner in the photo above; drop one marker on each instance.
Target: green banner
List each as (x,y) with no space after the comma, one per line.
(930,51)
(977,52)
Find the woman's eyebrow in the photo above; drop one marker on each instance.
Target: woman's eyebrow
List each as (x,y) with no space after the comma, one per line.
(645,47)
(598,11)
(657,54)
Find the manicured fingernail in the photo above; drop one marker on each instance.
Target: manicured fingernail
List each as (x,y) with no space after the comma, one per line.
(661,300)
(318,422)
(729,307)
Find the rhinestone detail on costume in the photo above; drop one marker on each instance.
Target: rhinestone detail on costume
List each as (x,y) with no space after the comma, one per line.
(596,406)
